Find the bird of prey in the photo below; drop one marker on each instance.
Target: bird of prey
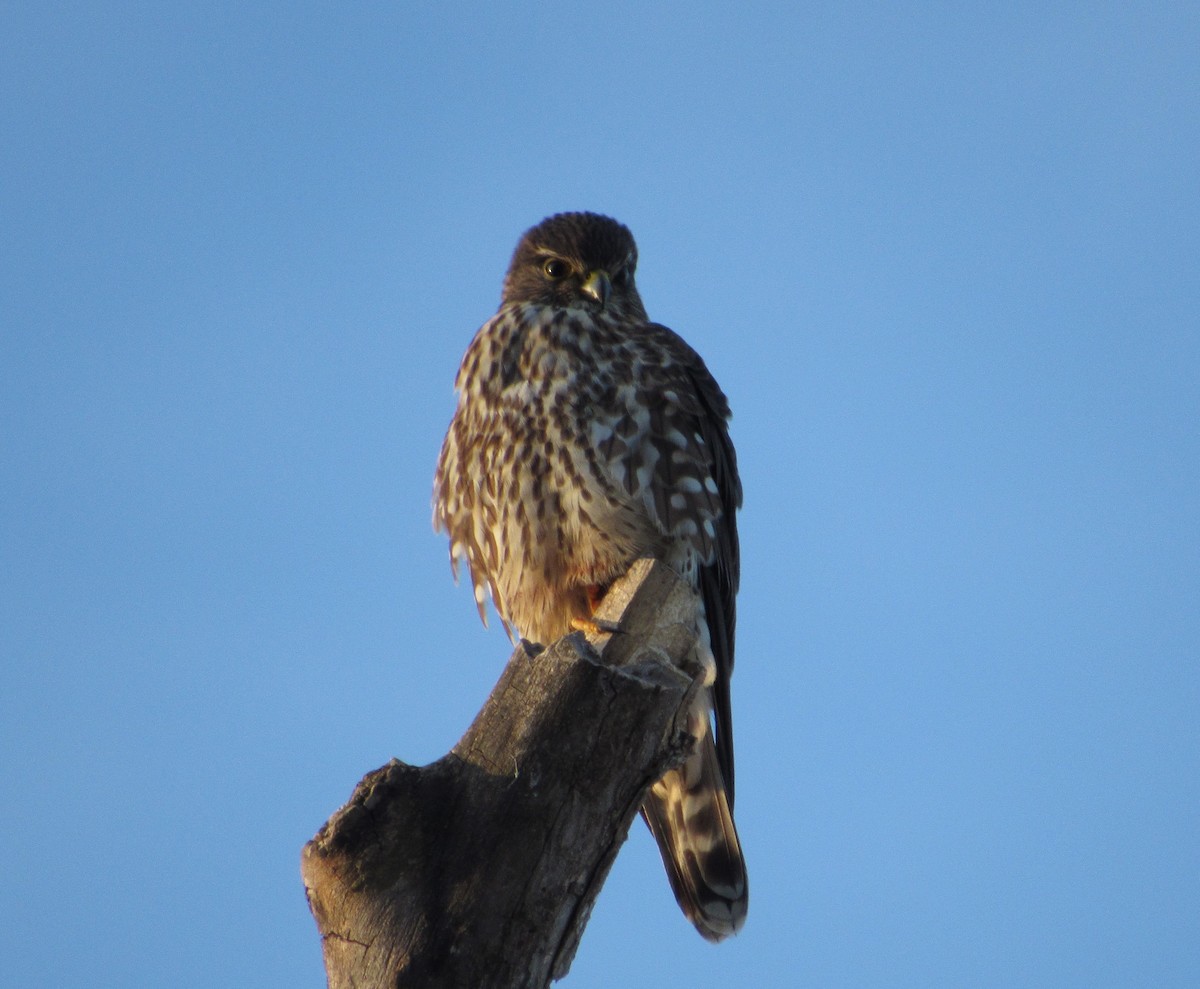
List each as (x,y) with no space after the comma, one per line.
(586,436)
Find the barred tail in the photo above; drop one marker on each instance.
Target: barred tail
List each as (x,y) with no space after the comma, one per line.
(689,815)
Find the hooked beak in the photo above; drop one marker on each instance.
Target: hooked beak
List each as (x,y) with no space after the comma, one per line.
(598,285)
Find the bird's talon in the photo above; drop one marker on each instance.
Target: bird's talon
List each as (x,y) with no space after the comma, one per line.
(595,626)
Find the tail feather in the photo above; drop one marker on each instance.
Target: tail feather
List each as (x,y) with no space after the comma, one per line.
(689,815)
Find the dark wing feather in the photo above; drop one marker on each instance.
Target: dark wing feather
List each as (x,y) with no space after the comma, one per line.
(719,580)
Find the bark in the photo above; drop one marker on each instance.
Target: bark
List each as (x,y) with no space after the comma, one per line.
(481,869)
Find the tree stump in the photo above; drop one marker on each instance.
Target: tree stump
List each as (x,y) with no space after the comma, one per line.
(481,869)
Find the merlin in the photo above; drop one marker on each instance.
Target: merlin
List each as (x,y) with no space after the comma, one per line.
(586,437)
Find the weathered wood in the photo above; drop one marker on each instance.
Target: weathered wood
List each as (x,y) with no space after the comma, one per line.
(481,869)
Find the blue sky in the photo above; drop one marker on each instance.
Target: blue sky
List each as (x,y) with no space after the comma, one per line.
(943,261)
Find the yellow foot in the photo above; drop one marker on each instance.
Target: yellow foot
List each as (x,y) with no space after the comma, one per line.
(593,626)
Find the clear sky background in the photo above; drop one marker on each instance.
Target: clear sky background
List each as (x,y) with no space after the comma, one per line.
(943,259)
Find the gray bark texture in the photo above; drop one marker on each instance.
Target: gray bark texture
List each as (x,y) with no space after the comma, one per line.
(481,869)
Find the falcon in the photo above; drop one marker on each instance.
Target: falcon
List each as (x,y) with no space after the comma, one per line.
(585,437)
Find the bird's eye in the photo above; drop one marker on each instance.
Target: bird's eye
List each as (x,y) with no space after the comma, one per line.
(556,268)
(621,277)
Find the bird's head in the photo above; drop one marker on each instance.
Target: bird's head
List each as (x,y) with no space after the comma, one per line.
(580,260)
